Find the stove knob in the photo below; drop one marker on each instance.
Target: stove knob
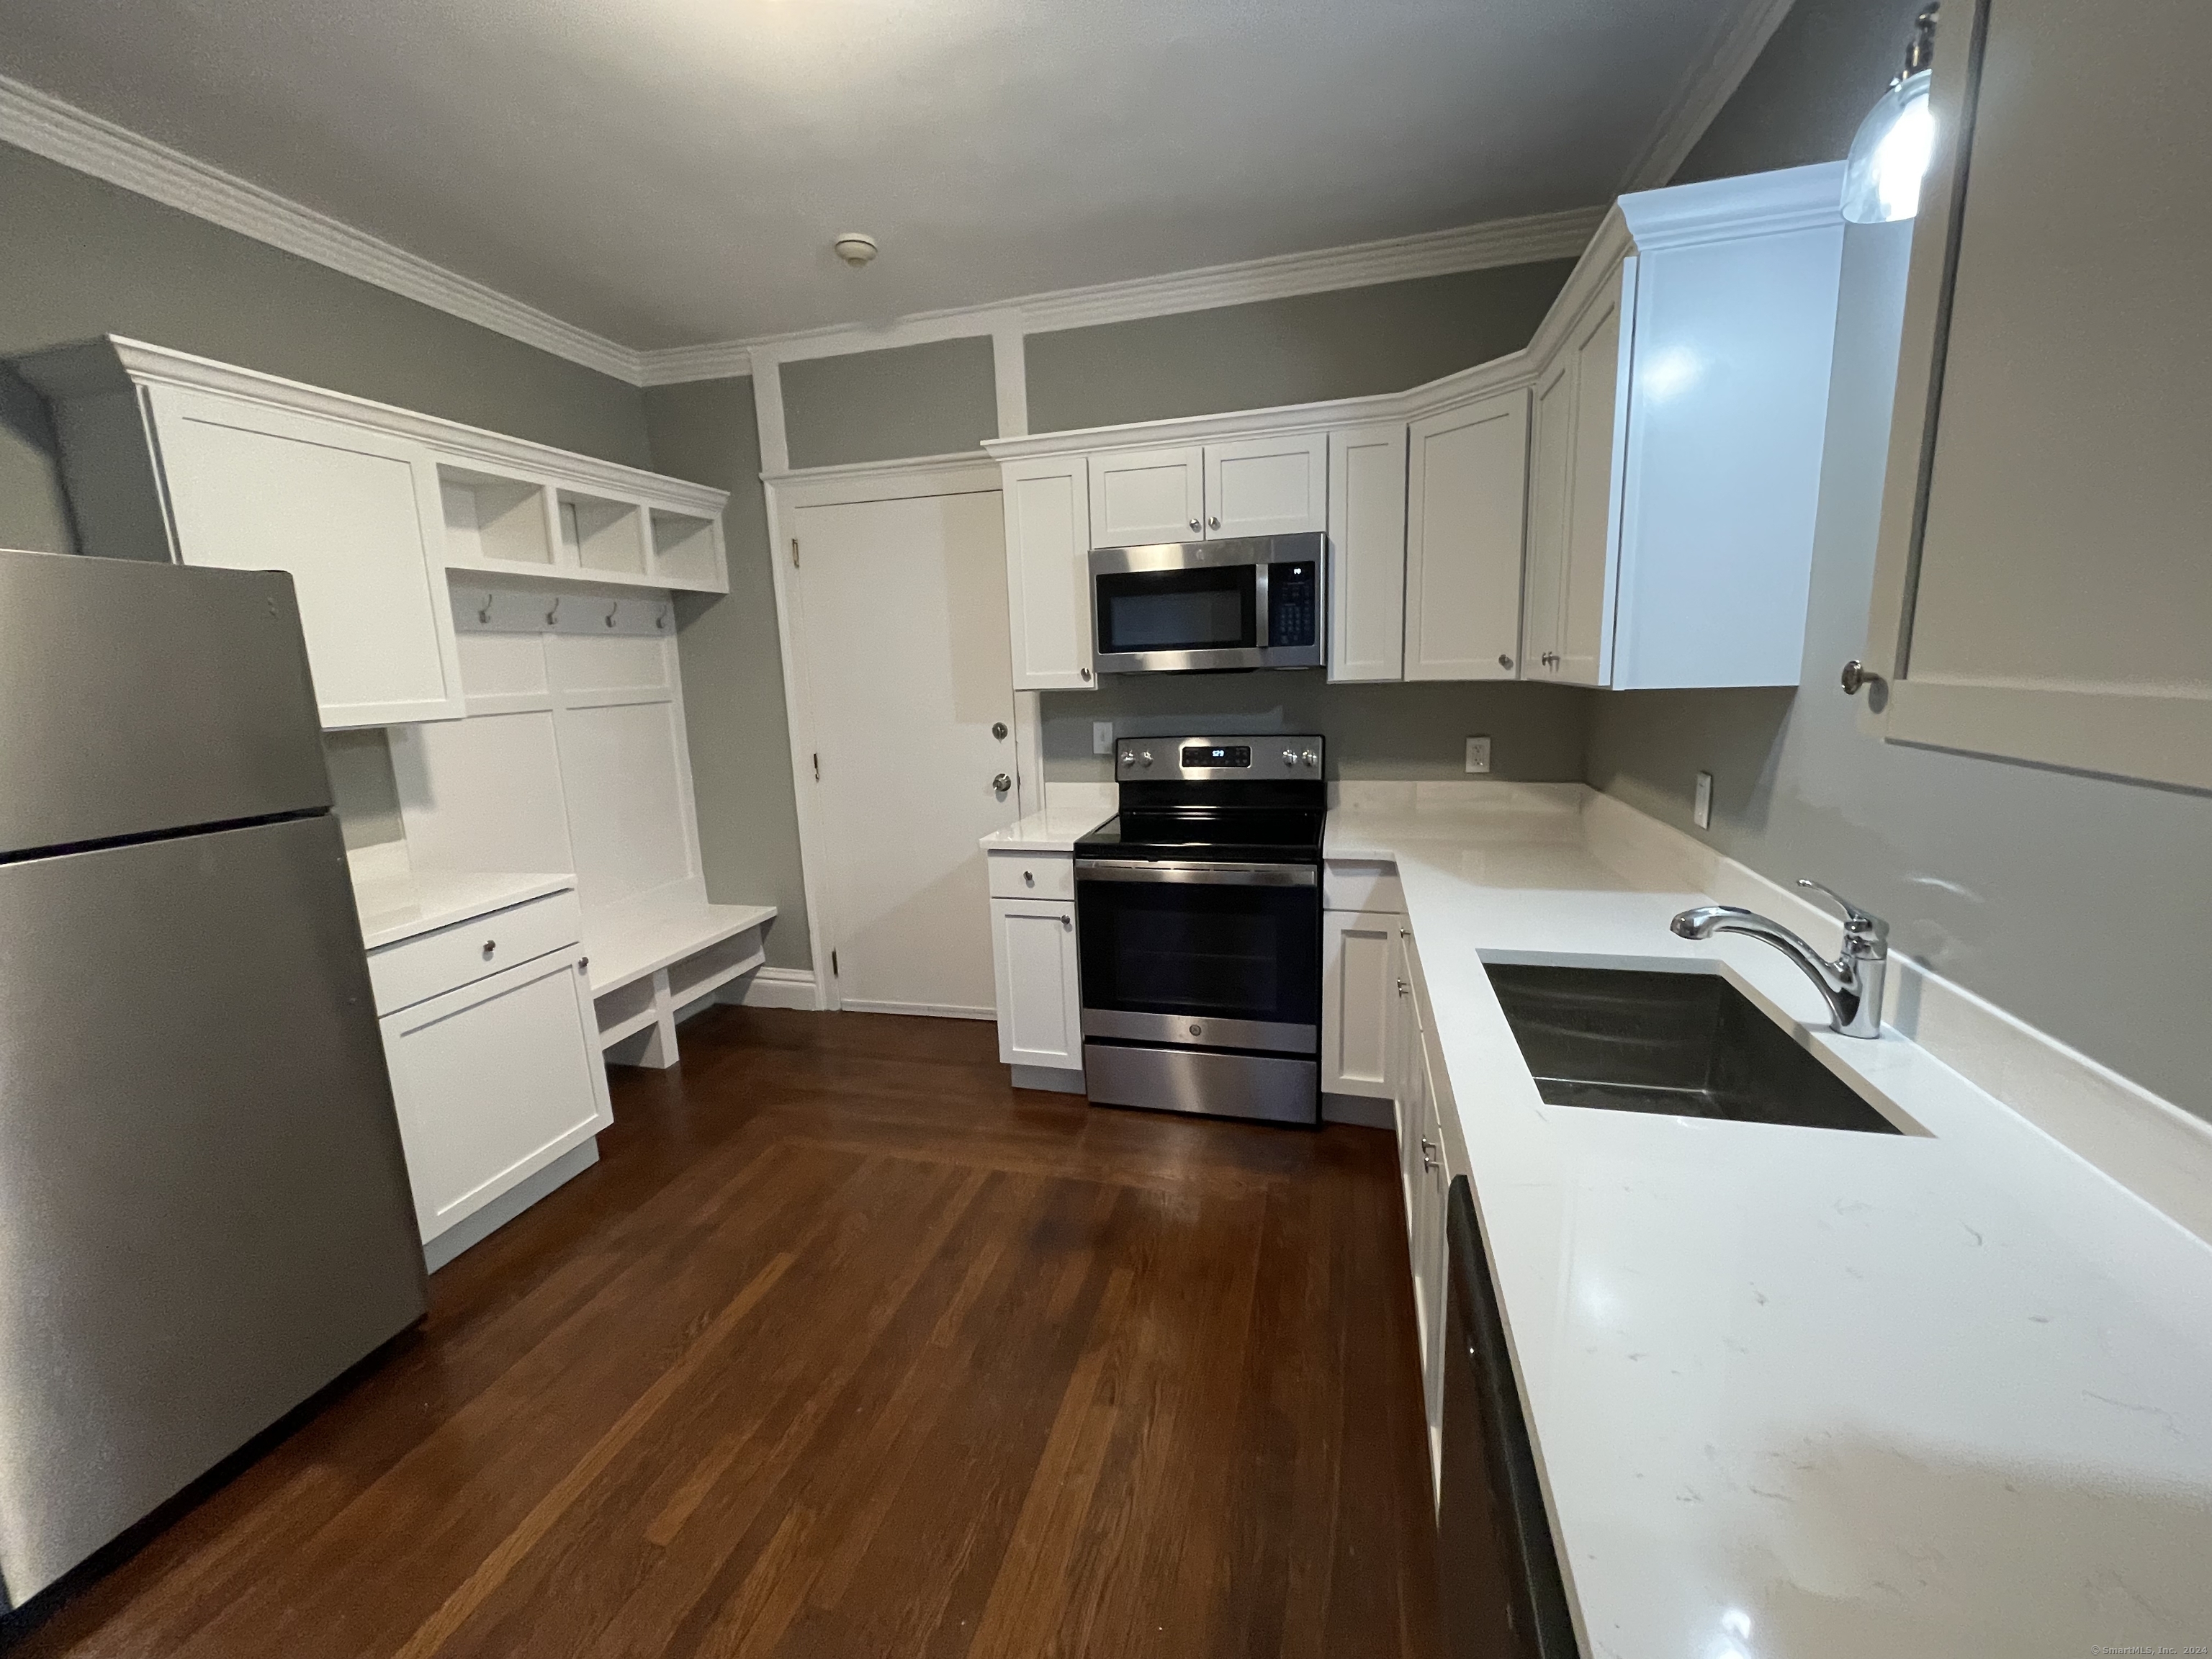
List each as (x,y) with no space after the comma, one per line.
(1312,759)
(1145,759)
(1129,758)
(1290,757)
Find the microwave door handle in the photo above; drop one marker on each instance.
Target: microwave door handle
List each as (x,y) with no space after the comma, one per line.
(1263,628)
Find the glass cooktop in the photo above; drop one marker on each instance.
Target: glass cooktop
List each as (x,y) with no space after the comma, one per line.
(1277,835)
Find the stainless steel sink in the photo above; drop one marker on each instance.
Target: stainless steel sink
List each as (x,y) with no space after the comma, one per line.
(1687,1045)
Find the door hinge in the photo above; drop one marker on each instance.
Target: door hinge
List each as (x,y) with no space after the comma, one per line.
(818,768)
(833,964)
(794,552)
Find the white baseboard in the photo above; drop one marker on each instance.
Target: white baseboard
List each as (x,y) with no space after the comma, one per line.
(2156,1149)
(926,1010)
(773,988)
(1364,1111)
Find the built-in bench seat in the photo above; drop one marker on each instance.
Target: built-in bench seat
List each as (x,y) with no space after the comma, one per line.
(654,954)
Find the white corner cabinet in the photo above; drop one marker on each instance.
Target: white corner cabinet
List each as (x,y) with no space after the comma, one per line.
(1628,501)
(368,508)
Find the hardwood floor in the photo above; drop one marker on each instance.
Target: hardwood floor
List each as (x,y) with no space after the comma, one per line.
(846,1348)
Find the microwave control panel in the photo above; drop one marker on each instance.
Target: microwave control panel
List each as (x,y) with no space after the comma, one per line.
(1293,603)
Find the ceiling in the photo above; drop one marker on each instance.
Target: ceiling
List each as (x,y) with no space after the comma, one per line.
(667,172)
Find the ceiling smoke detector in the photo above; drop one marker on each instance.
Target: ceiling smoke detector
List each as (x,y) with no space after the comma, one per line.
(854,249)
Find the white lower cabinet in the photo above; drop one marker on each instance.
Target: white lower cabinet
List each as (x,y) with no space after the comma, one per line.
(1039,1000)
(492,1043)
(1359,1001)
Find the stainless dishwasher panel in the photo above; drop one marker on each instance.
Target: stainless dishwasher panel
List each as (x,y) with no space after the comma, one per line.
(203,1205)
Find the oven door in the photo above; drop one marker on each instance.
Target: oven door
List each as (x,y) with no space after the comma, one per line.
(1200,953)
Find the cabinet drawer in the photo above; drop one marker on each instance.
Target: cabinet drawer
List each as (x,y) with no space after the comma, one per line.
(431,964)
(1347,884)
(1033,875)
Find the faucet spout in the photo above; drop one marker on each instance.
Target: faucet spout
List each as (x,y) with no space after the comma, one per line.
(1851,983)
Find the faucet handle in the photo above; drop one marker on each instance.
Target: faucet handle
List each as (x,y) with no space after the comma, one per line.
(1856,920)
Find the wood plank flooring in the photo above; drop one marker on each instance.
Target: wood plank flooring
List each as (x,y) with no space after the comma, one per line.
(845,1347)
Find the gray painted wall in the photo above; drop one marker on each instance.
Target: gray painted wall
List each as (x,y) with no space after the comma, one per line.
(1302,349)
(1411,731)
(84,258)
(2081,905)
(1817,77)
(732,667)
(934,399)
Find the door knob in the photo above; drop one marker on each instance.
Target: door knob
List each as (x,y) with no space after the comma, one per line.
(1002,783)
(1857,677)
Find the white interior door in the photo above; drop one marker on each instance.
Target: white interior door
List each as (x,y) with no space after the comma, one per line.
(901,621)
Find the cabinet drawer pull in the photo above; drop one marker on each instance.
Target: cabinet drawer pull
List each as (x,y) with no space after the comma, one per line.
(489,946)
(1067,921)
(1029,878)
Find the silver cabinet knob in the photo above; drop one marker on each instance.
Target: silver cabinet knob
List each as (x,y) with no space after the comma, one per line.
(1213,521)
(489,946)
(1029,878)
(1857,677)
(583,961)
(1066,922)
(1504,661)
(1193,524)
(999,730)
(1002,783)
(1084,673)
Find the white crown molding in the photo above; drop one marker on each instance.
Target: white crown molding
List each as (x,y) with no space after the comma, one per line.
(44,126)
(1755,204)
(1731,51)
(1436,253)
(116,364)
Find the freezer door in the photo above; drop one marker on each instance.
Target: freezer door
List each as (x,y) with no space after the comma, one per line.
(143,697)
(205,1214)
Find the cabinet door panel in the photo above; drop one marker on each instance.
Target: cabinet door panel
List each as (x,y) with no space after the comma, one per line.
(1147,495)
(1267,486)
(1047,506)
(2041,589)
(1039,997)
(1550,462)
(1357,993)
(493,1083)
(1367,553)
(1593,519)
(1467,492)
(353,515)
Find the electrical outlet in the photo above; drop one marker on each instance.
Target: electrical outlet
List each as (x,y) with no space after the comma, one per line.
(1701,811)
(1102,736)
(1478,754)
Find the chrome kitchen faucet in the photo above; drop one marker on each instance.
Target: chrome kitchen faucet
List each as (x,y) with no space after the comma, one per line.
(1851,983)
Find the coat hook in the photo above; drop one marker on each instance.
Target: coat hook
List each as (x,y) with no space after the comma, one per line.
(554,615)
(612,609)
(484,611)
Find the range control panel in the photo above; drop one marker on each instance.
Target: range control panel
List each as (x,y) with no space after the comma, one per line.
(1257,756)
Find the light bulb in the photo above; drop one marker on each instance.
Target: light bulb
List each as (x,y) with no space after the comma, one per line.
(1890,155)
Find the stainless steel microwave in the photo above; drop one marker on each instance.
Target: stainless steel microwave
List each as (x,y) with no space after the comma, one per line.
(1255,602)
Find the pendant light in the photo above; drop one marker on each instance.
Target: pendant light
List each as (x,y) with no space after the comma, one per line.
(1891,151)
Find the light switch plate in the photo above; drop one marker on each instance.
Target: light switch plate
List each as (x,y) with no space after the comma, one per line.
(1102,736)
(1478,754)
(1701,811)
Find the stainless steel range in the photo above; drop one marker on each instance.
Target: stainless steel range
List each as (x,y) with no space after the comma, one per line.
(1199,913)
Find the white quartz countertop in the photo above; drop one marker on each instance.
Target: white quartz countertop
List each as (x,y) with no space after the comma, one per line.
(400,904)
(1053,830)
(1800,1392)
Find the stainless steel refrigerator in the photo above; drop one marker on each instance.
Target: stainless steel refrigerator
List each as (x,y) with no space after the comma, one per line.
(204,1207)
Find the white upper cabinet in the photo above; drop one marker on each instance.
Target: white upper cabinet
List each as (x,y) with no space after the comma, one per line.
(1682,392)
(1466,498)
(2042,590)
(1367,553)
(1272,486)
(1047,506)
(1144,495)
(353,515)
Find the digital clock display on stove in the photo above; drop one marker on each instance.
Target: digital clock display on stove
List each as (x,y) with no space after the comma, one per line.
(1234,754)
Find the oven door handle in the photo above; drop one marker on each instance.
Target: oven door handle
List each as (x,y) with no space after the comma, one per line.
(1200,872)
